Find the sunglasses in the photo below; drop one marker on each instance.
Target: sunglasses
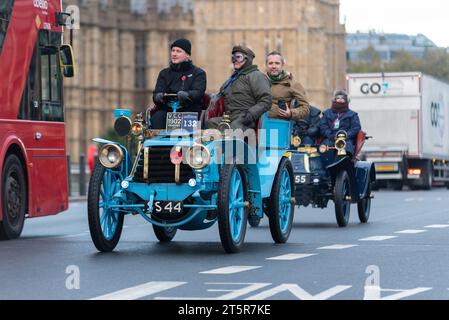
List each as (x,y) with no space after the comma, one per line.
(238,57)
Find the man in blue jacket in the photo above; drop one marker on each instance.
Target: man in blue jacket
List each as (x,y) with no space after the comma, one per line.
(340,117)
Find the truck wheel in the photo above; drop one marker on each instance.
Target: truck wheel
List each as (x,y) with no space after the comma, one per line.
(280,206)
(105,223)
(364,206)
(14,198)
(232,214)
(428,176)
(164,234)
(342,193)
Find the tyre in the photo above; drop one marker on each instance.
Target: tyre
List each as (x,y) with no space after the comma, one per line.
(364,206)
(397,185)
(232,213)
(428,176)
(14,198)
(164,234)
(254,221)
(342,193)
(105,223)
(280,206)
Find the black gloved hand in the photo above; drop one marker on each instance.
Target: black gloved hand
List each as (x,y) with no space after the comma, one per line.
(159,97)
(248,119)
(183,96)
(312,132)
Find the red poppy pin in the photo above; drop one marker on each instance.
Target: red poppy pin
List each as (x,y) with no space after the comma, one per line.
(184,78)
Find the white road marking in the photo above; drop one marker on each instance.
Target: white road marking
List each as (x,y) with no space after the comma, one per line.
(378,238)
(299,292)
(292,256)
(231,270)
(411,231)
(229,294)
(338,247)
(140,291)
(437,226)
(414,199)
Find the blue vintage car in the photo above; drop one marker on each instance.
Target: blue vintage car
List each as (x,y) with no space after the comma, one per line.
(185,178)
(324,173)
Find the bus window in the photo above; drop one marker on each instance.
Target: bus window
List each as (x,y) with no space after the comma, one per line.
(51,80)
(5,15)
(30,103)
(42,95)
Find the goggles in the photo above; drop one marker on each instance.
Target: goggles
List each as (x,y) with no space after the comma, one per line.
(340,97)
(238,57)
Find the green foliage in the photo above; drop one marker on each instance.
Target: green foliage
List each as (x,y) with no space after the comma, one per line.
(434,63)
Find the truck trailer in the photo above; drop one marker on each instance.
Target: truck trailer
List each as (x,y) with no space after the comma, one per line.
(408,116)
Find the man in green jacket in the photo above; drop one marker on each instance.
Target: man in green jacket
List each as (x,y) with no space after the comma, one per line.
(247,93)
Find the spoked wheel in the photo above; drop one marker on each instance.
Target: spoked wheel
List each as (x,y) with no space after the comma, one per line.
(105,223)
(280,206)
(232,214)
(364,206)
(342,198)
(164,234)
(14,198)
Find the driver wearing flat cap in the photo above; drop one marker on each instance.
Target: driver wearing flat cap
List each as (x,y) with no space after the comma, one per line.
(247,93)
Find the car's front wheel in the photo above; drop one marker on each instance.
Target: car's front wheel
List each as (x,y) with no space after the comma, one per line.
(105,222)
(232,213)
(342,198)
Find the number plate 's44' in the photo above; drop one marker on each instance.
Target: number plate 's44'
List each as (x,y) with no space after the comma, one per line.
(170,207)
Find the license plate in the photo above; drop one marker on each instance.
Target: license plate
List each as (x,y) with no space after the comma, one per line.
(385,168)
(302,179)
(172,208)
(185,121)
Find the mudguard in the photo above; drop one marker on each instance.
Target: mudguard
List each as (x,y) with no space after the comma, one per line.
(365,173)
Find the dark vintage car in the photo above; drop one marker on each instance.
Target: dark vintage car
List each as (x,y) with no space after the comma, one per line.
(324,173)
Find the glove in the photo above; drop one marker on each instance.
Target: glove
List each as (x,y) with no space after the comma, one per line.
(248,119)
(159,97)
(183,96)
(312,132)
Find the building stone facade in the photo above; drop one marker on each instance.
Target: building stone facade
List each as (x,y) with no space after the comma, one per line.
(123,44)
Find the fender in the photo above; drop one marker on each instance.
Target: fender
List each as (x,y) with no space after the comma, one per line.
(365,174)
(10,140)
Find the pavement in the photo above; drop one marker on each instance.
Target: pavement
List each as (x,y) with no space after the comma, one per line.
(402,253)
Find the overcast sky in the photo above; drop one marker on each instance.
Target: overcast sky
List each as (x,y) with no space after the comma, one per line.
(429,17)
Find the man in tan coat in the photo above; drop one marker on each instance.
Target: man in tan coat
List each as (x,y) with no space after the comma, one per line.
(284,90)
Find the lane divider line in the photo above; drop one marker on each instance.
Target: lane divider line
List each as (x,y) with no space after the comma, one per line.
(230,270)
(140,291)
(292,256)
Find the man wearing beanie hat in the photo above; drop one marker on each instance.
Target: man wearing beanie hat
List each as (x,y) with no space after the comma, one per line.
(247,93)
(181,78)
(340,117)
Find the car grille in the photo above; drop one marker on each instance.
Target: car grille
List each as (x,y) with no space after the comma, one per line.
(160,168)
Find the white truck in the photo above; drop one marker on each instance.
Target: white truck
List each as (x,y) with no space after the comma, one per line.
(408,116)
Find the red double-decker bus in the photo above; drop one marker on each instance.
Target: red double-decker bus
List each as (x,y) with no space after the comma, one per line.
(33,62)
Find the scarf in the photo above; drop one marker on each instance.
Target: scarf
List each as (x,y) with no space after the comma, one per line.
(340,107)
(281,76)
